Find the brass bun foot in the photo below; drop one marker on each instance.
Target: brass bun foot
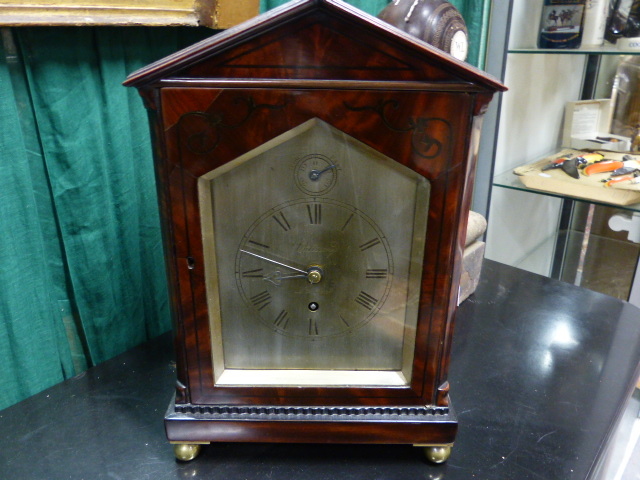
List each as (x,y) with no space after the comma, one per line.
(437,453)
(186,452)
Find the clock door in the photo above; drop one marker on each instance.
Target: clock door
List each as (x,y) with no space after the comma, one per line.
(316,253)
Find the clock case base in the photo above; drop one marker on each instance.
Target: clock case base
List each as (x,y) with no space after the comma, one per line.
(412,425)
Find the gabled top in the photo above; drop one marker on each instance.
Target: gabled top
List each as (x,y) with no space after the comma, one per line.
(313,40)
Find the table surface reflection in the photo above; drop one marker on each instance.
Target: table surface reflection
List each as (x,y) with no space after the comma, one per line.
(540,374)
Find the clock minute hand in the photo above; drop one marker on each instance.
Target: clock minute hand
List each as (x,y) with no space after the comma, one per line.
(266,259)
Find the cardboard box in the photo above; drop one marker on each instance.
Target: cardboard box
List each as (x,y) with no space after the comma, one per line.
(587,188)
(586,124)
(628,44)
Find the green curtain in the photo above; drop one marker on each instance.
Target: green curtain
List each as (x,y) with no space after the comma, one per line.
(82,275)
(32,347)
(474,12)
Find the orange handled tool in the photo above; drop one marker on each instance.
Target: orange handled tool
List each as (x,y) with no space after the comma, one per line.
(625,178)
(602,167)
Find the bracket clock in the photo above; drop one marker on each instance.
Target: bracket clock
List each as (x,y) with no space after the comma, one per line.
(314,169)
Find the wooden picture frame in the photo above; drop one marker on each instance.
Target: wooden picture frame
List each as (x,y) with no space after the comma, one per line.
(209,13)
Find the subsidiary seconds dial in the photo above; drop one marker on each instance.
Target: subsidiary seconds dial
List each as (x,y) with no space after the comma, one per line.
(315,174)
(314,268)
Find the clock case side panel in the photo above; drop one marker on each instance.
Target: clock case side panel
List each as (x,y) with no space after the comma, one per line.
(450,206)
(447,182)
(175,272)
(477,113)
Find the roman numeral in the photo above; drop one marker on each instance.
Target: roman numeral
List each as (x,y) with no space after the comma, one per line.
(371,243)
(376,273)
(261,300)
(366,300)
(282,320)
(258,244)
(313,327)
(344,321)
(257,273)
(315,213)
(346,223)
(282,221)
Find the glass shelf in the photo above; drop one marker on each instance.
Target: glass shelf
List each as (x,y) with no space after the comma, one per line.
(596,262)
(608,269)
(510,180)
(607,49)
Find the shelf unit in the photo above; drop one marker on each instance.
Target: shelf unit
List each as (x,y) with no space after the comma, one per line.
(550,234)
(509,180)
(607,49)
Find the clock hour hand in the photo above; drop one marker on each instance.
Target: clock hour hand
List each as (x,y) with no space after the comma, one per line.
(277,277)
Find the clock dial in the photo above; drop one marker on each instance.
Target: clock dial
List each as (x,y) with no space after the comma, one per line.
(315,174)
(311,265)
(314,268)
(459,45)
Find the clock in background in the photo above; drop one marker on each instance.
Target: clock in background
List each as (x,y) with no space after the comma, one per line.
(437,22)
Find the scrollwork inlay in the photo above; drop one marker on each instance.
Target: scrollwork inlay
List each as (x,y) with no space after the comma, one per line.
(201,131)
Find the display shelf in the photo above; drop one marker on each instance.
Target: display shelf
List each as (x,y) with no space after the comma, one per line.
(608,49)
(530,118)
(510,180)
(595,262)
(598,263)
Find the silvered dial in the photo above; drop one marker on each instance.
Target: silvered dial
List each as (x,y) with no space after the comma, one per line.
(314,268)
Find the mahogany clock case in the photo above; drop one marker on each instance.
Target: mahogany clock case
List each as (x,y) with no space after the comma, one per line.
(325,61)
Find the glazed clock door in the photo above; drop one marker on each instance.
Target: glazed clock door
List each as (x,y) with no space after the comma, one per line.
(313,245)
(312,255)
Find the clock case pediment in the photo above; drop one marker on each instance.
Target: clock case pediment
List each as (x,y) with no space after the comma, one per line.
(314,40)
(228,95)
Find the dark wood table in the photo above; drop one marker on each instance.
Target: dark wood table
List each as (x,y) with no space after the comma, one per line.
(540,375)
